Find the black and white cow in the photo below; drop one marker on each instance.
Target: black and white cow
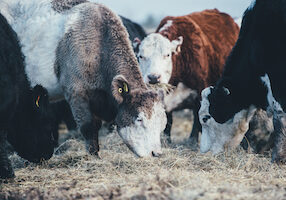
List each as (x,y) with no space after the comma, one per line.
(84,55)
(24,119)
(260,49)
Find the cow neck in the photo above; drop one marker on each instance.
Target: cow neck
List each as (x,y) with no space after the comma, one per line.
(123,61)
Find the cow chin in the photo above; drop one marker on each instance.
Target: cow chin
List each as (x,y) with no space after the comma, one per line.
(140,141)
(213,140)
(144,140)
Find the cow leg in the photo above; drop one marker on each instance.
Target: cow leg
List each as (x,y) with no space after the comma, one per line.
(196,126)
(6,170)
(167,131)
(88,127)
(279,150)
(90,131)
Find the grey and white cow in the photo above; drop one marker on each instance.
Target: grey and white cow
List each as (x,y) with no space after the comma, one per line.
(84,55)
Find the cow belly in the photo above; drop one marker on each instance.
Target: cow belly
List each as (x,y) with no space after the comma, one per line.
(45,76)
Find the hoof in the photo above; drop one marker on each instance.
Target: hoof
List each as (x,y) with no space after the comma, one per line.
(277,158)
(193,144)
(93,149)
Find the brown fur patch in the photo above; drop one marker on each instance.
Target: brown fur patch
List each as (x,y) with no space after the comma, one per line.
(63,5)
(208,38)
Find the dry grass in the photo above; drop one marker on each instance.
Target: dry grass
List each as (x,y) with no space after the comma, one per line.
(179,174)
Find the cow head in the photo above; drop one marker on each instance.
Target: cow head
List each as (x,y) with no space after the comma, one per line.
(140,119)
(155,57)
(222,99)
(217,136)
(32,133)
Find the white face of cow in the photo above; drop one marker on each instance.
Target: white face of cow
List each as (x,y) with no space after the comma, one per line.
(143,135)
(140,119)
(216,136)
(155,57)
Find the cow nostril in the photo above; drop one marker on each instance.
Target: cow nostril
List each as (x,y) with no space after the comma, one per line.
(156,154)
(153,79)
(206,118)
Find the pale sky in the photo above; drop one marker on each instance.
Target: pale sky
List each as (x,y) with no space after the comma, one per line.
(139,10)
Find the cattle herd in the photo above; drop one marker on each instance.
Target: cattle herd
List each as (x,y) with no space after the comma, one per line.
(77,62)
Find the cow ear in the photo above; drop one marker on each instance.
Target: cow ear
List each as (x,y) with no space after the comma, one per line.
(136,43)
(176,45)
(40,98)
(120,88)
(226,91)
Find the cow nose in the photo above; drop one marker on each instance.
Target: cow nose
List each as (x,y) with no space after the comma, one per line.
(154,78)
(156,154)
(206,118)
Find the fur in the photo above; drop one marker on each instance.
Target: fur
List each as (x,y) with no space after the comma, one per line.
(134,30)
(32,22)
(279,121)
(214,32)
(216,136)
(27,127)
(190,49)
(260,49)
(152,144)
(80,65)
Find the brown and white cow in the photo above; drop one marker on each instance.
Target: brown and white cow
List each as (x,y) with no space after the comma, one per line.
(83,54)
(191,49)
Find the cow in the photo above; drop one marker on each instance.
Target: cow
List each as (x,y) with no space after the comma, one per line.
(259,50)
(24,121)
(84,55)
(134,30)
(251,128)
(61,109)
(190,49)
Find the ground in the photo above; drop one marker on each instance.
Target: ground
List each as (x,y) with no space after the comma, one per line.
(179,174)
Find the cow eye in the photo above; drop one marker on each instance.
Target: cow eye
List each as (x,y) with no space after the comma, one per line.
(139,119)
(167,56)
(141,57)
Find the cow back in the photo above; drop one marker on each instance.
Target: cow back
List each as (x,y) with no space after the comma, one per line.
(208,38)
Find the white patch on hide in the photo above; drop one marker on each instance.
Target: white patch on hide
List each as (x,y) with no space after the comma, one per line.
(273,104)
(155,56)
(166,26)
(216,136)
(39,29)
(206,143)
(251,6)
(143,137)
(238,21)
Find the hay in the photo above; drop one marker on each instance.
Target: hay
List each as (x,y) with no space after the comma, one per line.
(165,88)
(179,174)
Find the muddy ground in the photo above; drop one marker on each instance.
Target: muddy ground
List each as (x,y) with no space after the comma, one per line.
(179,174)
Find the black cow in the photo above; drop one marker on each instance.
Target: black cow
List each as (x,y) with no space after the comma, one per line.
(23,115)
(260,49)
(62,113)
(134,30)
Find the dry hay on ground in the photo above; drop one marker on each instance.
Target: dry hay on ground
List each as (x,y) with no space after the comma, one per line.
(179,174)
